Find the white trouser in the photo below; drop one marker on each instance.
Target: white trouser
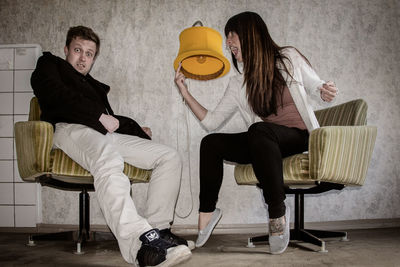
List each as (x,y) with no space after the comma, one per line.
(104,156)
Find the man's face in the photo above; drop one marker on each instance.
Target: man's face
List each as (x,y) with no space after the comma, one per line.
(81,54)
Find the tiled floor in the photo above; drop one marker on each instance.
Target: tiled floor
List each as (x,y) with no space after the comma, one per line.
(371,247)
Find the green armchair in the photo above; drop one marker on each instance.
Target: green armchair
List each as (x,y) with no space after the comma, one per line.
(338,156)
(39,162)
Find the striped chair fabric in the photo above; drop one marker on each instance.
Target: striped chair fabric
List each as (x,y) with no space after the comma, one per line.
(34,141)
(339,151)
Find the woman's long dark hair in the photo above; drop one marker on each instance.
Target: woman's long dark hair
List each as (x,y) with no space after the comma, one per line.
(260,54)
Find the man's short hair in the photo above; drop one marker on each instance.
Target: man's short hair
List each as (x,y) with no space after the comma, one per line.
(85,33)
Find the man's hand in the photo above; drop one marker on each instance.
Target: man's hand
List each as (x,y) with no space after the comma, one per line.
(147,130)
(109,122)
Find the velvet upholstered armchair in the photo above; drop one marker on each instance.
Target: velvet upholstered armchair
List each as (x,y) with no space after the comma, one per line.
(39,162)
(338,156)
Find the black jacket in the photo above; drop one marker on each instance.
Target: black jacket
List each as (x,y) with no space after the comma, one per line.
(66,95)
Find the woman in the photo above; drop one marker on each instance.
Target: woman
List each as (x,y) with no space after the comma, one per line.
(270,93)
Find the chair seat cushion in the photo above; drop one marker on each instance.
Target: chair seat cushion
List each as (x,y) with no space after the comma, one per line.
(67,170)
(295,171)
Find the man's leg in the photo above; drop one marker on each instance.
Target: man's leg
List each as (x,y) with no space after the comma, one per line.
(164,184)
(96,153)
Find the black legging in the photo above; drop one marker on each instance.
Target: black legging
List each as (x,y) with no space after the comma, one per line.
(264,145)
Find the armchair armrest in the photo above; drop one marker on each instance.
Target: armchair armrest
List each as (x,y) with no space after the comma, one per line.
(33,140)
(341,154)
(352,113)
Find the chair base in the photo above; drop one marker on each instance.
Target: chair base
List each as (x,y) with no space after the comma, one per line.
(304,235)
(65,236)
(83,234)
(299,233)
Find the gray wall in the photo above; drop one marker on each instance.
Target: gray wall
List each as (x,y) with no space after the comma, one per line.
(354,43)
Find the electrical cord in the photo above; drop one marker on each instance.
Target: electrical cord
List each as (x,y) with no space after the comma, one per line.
(188,137)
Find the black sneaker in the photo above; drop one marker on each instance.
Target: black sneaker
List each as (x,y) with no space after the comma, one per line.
(156,251)
(167,235)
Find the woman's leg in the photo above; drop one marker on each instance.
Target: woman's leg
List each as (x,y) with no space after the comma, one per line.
(269,143)
(214,149)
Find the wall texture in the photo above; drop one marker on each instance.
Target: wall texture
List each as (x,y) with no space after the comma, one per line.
(354,43)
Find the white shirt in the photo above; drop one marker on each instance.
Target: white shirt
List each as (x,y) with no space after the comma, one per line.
(305,81)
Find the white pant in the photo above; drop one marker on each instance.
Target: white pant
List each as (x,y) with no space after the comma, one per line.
(104,156)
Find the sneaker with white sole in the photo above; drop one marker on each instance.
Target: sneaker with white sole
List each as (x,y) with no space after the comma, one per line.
(206,232)
(167,235)
(156,251)
(279,243)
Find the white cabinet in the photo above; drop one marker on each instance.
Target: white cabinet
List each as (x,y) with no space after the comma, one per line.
(18,199)
(6,78)
(6,57)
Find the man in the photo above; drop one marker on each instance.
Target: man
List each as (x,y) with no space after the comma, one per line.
(87,130)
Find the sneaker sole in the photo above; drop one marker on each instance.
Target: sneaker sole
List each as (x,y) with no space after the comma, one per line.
(176,255)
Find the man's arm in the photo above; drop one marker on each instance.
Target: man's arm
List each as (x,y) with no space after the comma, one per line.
(56,97)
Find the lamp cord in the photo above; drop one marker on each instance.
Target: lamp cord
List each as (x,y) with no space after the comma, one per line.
(188,136)
(197,22)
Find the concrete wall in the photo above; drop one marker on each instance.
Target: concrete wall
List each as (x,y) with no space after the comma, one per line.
(354,43)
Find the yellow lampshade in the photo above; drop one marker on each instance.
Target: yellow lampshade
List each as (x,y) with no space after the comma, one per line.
(201,54)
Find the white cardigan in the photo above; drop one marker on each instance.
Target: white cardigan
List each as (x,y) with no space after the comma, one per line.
(306,81)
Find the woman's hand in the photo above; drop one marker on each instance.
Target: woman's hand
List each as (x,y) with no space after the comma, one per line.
(180,79)
(329,91)
(198,110)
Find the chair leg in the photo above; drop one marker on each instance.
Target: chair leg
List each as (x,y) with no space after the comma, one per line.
(84,221)
(328,234)
(83,231)
(68,235)
(307,237)
(256,239)
(84,215)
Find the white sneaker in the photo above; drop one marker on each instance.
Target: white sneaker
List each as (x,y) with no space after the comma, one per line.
(176,255)
(279,243)
(167,235)
(206,232)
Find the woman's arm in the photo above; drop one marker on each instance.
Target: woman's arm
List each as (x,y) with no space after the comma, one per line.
(311,81)
(304,81)
(199,111)
(210,120)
